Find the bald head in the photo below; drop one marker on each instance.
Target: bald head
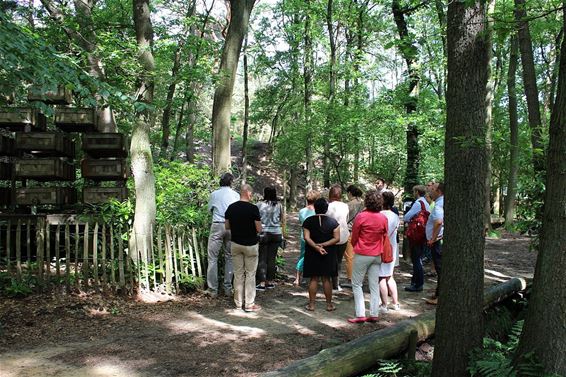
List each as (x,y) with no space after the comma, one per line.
(246,192)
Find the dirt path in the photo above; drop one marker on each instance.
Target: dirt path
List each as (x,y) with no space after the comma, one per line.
(199,336)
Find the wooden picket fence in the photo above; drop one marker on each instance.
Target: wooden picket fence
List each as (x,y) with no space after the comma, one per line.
(71,255)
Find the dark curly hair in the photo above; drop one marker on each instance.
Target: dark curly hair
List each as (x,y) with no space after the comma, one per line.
(373,201)
(320,206)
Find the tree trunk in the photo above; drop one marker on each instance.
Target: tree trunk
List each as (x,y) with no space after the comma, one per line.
(222,107)
(530,83)
(441,14)
(307,73)
(409,52)
(459,315)
(514,134)
(331,91)
(246,114)
(544,331)
(173,155)
(173,86)
(140,148)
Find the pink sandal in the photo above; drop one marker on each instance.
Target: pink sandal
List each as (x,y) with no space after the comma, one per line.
(357,320)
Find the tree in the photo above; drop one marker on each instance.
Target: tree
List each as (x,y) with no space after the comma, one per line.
(544,332)
(221,110)
(514,134)
(459,314)
(530,83)
(140,147)
(409,52)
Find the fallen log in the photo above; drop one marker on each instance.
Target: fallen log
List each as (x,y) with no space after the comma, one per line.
(358,355)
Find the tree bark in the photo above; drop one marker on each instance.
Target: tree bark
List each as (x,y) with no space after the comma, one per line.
(307,75)
(514,134)
(459,315)
(409,52)
(544,331)
(331,91)
(246,114)
(222,107)
(140,148)
(530,83)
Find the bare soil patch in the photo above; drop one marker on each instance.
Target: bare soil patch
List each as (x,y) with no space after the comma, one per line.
(94,335)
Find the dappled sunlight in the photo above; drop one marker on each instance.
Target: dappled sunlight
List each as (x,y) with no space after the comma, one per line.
(215,329)
(112,369)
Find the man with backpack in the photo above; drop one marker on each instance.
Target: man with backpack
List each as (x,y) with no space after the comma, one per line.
(415,223)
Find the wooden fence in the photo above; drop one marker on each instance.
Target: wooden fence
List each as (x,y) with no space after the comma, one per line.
(75,255)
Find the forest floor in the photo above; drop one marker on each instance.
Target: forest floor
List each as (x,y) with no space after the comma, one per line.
(194,335)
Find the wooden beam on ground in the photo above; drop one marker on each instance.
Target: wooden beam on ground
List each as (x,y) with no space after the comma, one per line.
(358,355)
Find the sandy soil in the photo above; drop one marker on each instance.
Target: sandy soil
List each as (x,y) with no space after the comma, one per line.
(92,335)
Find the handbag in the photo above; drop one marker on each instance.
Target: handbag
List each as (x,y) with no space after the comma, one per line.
(387,254)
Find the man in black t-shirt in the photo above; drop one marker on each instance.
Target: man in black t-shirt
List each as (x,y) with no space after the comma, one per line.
(244,222)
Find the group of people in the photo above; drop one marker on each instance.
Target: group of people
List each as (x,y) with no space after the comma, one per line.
(332,231)
(355,232)
(431,200)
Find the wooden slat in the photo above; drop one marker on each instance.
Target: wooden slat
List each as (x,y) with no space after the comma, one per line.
(197,253)
(48,254)
(95,256)
(67,258)
(184,267)
(160,254)
(85,266)
(77,253)
(175,256)
(19,250)
(152,258)
(8,246)
(103,259)
(40,242)
(191,255)
(57,250)
(121,275)
(145,260)
(168,260)
(112,260)
(28,245)
(129,269)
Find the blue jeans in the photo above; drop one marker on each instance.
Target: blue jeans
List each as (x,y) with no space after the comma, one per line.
(436,250)
(417,280)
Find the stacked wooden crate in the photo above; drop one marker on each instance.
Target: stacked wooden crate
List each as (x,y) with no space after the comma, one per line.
(105,160)
(32,154)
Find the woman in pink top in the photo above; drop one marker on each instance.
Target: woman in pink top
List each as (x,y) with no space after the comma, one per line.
(368,233)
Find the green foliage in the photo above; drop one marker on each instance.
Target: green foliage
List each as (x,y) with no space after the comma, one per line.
(12,287)
(401,368)
(495,358)
(190,283)
(182,192)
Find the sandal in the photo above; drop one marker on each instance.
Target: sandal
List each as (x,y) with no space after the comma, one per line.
(310,307)
(357,320)
(330,307)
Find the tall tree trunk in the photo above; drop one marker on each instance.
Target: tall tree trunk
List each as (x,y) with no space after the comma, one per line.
(530,83)
(331,92)
(167,110)
(459,315)
(307,75)
(409,52)
(173,155)
(544,331)
(190,135)
(222,107)
(246,114)
(140,148)
(441,14)
(514,134)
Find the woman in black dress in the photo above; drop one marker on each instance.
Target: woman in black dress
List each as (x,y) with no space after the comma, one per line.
(320,233)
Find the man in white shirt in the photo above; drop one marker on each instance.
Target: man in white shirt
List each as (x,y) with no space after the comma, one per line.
(435,232)
(417,250)
(220,237)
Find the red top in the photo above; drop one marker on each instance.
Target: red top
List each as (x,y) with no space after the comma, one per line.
(368,233)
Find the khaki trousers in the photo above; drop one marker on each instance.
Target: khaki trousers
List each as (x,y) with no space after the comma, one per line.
(244,261)
(349,258)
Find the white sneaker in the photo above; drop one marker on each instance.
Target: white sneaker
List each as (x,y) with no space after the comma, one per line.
(383,309)
(396,306)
